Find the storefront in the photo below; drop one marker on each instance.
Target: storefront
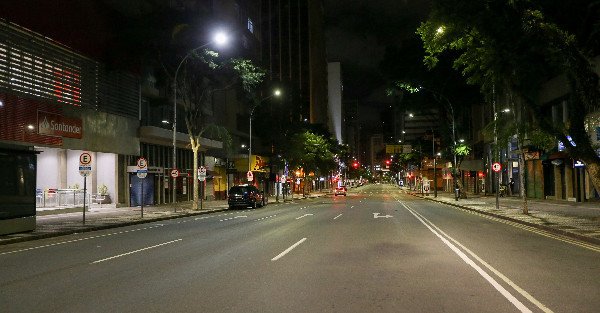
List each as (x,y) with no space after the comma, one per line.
(59,134)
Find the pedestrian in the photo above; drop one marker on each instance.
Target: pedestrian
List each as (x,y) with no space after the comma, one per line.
(511,186)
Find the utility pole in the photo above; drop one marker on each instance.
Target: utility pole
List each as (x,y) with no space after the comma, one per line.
(497,152)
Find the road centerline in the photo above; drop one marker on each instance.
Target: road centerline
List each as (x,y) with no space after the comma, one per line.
(286,251)
(136,251)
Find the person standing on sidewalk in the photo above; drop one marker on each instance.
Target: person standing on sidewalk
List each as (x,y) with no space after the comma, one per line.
(511,186)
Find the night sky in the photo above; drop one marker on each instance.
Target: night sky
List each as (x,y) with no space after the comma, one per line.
(358,32)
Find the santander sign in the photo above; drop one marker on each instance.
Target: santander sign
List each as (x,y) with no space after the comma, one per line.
(51,124)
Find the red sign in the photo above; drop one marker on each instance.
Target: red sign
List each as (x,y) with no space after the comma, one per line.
(496,167)
(56,125)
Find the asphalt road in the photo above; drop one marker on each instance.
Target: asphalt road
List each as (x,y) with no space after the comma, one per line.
(376,250)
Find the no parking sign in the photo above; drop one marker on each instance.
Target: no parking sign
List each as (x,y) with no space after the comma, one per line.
(496,167)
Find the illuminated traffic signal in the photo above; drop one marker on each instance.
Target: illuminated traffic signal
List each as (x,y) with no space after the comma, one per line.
(355,164)
(387,162)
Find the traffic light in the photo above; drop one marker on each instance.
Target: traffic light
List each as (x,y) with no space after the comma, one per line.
(387,162)
(355,164)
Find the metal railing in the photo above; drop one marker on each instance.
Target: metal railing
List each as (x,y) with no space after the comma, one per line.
(62,198)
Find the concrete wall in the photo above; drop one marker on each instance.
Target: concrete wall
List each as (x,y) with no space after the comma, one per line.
(103,132)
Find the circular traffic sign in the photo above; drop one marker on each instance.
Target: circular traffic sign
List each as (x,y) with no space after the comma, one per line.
(202,173)
(496,167)
(142,163)
(85,158)
(174,173)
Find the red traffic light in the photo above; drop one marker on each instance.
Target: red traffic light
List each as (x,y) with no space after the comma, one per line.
(355,164)
(387,162)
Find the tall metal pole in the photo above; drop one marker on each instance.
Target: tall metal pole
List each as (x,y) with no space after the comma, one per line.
(455,169)
(276,93)
(250,141)
(434,164)
(497,152)
(174,165)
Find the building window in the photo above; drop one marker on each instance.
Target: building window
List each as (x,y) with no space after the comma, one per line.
(250,25)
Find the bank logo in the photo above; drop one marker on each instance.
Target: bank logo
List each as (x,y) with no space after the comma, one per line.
(51,124)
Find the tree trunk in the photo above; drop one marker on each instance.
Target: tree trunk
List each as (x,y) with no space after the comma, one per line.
(593,169)
(195,147)
(522,190)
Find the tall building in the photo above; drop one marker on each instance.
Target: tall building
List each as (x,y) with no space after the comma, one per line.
(334,86)
(293,50)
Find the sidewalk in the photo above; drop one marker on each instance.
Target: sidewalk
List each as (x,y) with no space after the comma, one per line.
(52,223)
(579,220)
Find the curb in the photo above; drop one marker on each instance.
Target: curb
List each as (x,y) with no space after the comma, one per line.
(541,227)
(122,224)
(103,227)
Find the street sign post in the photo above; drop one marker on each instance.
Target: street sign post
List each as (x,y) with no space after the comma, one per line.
(85,164)
(426,187)
(142,168)
(142,172)
(85,170)
(202,173)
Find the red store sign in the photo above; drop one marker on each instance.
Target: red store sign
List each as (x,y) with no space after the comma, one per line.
(51,124)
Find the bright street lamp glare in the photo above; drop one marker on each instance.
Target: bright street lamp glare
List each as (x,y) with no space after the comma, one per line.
(221,38)
(440,30)
(277,92)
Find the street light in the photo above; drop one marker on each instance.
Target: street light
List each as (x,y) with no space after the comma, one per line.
(439,95)
(276,93)
(219,39)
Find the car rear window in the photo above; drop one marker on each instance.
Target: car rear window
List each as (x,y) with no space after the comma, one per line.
(239,189)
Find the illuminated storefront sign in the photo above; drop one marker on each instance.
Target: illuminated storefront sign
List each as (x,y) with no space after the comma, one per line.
(51,124)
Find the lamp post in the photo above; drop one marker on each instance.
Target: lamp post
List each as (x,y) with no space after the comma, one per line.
(219,39)
(439,95)
(434,164)
(276,93)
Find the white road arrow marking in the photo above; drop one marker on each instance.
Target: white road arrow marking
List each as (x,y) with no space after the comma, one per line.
(376,215)
(305,215)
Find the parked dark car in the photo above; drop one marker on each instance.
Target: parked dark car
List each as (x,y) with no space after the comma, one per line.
(245,196)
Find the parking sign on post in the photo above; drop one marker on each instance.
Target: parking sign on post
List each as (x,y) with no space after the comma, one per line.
(202,173)
(142,168)
(85,164)
(85,169)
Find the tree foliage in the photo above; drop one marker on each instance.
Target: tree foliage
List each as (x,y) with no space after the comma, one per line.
(312,152)
(513,46)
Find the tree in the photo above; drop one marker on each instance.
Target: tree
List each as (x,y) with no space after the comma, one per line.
(311,152)
(201,75)
(511,47)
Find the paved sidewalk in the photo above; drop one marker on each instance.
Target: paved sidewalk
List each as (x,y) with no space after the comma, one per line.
(579,220)
(70,221)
